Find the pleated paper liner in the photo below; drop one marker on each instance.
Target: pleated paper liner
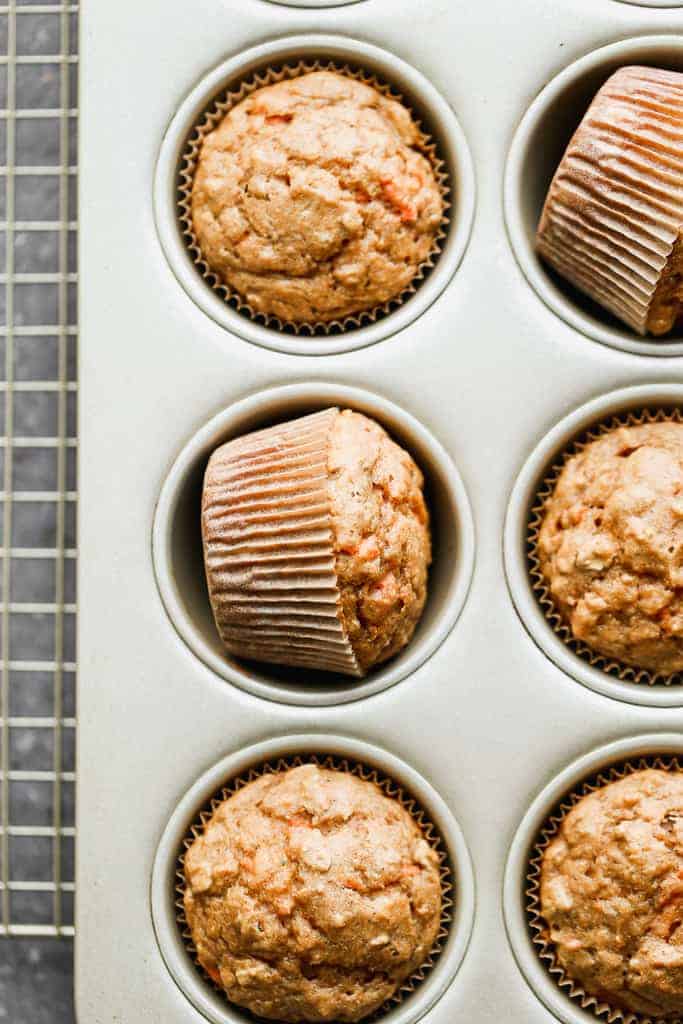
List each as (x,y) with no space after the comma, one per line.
(391,789)
(537,925)
(215,113)
(269,547)
(614,210)
(541,589)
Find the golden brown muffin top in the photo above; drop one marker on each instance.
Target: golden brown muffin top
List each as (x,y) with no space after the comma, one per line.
(381,537)
(611,545)
(612,893)
(312,200)
(311,896)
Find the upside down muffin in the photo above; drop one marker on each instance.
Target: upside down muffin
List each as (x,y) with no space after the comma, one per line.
(312,199)
(612,223)
(311,896)
(316,543)
(610,545)
(612,893)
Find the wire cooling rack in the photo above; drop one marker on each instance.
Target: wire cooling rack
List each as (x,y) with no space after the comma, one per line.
(38,125)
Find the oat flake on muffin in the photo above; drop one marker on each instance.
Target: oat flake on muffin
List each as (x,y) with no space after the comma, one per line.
(612,893)
(311,896)
(610,545)
(312,200)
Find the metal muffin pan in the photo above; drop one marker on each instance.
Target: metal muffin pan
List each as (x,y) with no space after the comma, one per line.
(485,373)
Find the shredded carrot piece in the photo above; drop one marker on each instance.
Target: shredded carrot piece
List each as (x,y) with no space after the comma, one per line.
(279,118)
(351,883)
(299,821)
(407,211)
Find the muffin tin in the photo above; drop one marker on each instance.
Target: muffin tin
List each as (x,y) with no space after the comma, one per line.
(497,364)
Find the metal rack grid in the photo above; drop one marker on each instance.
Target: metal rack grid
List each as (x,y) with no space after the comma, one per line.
(38,125)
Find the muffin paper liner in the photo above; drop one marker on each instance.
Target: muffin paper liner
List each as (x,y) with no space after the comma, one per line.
(269,547)
(391,789)
(541,589)
(210,118)
(532,888)
(615,206)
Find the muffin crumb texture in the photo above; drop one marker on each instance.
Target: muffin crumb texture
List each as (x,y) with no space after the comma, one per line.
(312,200)
(311,896)
(612,894)
(381,537)
(667,305)
(610,546)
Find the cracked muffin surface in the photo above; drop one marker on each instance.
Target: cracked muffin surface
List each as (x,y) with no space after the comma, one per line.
(311,896)
(381,537)
(611,545)
(612,893)
(312,200)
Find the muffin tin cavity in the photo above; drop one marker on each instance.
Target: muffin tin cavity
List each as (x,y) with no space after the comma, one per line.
(178,560)
(285,58)
(531,599)
(525,929)
(395,778)
(537,148)
(318,3)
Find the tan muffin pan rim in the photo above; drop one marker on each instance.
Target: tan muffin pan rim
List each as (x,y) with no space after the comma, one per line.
(450,574)
(174,953)
(521,225)
(519,934)
(516,532)
(442,123)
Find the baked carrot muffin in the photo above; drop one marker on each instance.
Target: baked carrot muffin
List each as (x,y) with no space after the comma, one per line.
(313,201)
(610,545)
(612,893)
(316,543)
(311,896)
(613,219)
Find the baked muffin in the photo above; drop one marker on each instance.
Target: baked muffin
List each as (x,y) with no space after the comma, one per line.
(610,545)
(311,896)
(313,201)
(612,893)
(316,543)
(613,218)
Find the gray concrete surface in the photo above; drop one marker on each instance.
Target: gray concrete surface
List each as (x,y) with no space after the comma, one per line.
(35,981)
